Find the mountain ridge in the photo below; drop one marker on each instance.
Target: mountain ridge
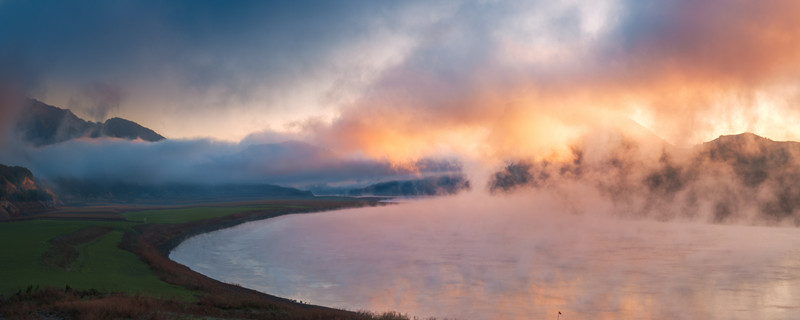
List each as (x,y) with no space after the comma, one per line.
(41,124)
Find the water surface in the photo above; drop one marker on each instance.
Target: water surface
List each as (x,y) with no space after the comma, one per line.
(474,257)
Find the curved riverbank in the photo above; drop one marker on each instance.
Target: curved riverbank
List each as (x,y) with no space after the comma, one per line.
(127,273)
(507,258)
(153,243)
(289,207)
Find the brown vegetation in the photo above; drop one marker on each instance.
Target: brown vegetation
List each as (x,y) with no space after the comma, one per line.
(52,303)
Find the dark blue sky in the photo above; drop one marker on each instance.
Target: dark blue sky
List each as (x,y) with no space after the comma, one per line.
(250,56)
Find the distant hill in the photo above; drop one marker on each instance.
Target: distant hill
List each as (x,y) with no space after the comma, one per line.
(126,129)
(431,186)
(83,192)
(731,178)
(21,193)
(41,124)
(754,159)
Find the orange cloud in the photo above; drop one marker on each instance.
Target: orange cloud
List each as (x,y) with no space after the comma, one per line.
(696,69)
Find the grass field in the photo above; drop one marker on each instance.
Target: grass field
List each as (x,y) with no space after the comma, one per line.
(83,250)
(101,265)
(183,215)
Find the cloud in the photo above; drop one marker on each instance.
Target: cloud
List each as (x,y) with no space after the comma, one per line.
(397,82)
(695,65)
(741,179)
(10,99)
(18,78)
(237,68)
(489,79)
(745,42)
(211,162)
(97,100)
(495,81)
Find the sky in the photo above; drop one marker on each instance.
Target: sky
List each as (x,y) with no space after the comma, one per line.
(345,93)
(403,80)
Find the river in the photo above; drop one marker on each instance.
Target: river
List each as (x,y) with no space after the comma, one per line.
(523,257)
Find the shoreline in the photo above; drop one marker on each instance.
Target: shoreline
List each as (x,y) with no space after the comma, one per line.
(182,292)
(257,215)
(154,242)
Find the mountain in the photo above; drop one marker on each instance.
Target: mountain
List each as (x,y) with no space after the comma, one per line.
(754,159)
(126,129)
(21,193)
(41,124)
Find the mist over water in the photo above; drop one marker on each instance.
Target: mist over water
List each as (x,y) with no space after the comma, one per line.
(520,256)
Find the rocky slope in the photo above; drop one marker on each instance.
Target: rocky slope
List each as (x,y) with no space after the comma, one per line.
(21,193)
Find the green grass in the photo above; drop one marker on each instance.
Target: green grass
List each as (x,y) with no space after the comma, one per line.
(183,215)
(101,264)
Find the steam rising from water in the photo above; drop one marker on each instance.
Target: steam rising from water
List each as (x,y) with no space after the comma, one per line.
(520,256)
(742,179)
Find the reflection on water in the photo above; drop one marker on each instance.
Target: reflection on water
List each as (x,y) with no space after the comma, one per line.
(478,257)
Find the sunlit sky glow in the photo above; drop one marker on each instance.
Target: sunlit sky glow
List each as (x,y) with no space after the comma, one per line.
(404,80)
(571,100)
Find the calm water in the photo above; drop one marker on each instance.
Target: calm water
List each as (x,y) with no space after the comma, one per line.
(481,257)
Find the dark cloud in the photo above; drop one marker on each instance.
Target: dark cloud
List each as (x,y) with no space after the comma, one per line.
(204,57)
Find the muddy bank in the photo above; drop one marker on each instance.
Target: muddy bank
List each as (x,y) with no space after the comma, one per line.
(153,242)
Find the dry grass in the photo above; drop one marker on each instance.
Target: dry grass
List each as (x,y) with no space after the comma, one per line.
(52,303)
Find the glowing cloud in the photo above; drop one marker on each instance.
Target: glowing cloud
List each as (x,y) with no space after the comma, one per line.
(401,81)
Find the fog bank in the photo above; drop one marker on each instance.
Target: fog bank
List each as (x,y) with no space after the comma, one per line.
(207,161)
(744,179)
